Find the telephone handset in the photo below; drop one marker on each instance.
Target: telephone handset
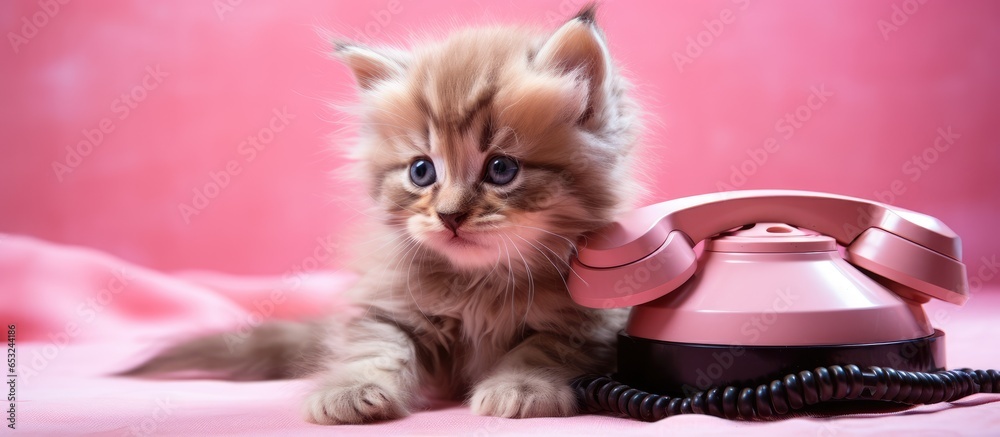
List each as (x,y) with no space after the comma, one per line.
(916,255)
(770,313)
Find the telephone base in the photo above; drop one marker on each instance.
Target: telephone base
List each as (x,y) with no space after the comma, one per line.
(682,369)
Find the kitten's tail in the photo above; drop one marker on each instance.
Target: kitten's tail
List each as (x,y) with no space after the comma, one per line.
(273,350)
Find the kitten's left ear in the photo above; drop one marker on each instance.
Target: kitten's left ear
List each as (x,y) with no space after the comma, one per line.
(578,46)
(370,66)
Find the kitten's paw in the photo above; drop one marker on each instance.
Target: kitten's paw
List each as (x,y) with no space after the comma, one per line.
(521,396)
(360,402)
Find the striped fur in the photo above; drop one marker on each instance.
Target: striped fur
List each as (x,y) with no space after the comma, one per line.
(482,312)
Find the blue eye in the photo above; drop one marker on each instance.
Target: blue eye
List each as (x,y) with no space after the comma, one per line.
(422,172)
(501,170)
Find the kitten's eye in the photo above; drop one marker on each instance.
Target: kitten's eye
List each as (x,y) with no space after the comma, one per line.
(501,170)
(422,173)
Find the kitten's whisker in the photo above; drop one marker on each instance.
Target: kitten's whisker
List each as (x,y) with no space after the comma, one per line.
(496,265)
(398,234)
(554,254)
(397,255)
(573,244)
(412,244)
(511,283)
(557,269)
(383,277)
(502,111)
(360,124)
(376,201)
(531,283)
(573,247)
(378,215)
(506,130)
(409,290)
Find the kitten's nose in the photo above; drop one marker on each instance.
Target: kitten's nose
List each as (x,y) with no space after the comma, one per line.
(452,220)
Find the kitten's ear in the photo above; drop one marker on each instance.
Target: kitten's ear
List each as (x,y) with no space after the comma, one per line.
(577,45)
(368,65)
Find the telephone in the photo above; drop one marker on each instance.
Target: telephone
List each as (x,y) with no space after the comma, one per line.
(797,298)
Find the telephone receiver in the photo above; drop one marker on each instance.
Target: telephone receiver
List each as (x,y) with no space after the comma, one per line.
(797,298)
(914,254)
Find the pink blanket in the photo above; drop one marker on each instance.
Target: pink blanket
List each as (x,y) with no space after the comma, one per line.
(80,315)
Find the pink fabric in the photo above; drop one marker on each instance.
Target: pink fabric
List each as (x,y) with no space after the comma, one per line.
(121,313)
(715,92)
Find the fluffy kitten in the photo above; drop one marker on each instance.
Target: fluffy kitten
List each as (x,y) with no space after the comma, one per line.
(489,154)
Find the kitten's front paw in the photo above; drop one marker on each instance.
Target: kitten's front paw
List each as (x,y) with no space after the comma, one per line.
(359,402)
(522,396)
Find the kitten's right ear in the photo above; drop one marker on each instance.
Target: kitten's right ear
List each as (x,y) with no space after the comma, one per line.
(577,45)
(369,66)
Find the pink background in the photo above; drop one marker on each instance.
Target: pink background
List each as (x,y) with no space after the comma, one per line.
(226,71)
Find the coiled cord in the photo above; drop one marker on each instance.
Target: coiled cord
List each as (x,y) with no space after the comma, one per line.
(793,392)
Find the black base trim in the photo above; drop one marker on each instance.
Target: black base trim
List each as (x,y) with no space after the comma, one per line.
(682,369)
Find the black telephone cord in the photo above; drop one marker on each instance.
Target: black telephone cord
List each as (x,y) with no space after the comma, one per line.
(793,392)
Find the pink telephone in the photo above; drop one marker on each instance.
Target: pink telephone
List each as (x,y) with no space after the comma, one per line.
(769,296)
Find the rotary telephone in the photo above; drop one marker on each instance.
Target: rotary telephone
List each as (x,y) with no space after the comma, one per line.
(798,299)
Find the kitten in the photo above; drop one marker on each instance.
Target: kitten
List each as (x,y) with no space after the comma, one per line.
(489,154)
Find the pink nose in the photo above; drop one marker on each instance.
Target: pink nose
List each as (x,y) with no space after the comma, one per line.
(452,220)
